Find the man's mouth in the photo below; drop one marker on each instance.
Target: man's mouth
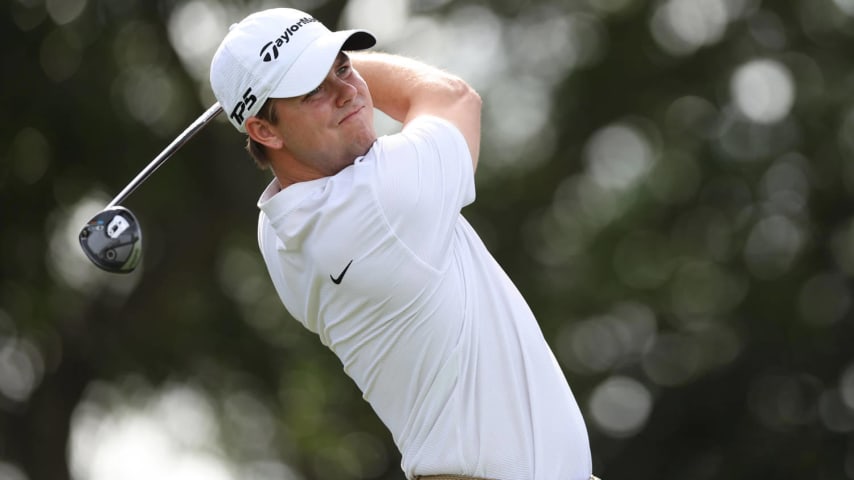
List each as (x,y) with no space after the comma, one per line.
(351,115)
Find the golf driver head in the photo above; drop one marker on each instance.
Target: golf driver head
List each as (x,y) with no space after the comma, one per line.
(113,240)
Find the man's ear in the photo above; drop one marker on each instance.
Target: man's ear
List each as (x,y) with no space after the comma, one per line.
(262,132)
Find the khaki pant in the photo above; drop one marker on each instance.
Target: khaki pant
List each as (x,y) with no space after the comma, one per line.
(460,477)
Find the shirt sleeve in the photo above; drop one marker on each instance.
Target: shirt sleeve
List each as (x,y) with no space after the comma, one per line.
(424,178)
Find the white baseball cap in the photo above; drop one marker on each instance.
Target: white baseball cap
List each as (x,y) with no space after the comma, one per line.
(278,53)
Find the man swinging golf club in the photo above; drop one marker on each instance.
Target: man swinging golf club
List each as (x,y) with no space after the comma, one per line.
(365,244)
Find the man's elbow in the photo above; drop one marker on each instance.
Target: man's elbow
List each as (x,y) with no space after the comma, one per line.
(468,105)
(465,94)
(474,99)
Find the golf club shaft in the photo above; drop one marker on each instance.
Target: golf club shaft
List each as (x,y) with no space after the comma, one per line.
(180,140)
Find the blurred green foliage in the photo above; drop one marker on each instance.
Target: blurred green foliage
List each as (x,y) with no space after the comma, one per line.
(667,183)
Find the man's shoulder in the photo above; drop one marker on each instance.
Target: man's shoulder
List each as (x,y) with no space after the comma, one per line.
(422,130)
(427,121)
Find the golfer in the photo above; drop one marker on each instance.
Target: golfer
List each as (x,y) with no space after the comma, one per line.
(366,246)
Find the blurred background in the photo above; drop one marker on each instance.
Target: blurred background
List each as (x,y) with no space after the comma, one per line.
(667,182)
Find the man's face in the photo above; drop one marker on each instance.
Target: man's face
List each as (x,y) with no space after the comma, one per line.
(326,129)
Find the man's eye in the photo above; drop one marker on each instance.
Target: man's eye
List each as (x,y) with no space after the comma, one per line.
(312,93)
(343,70)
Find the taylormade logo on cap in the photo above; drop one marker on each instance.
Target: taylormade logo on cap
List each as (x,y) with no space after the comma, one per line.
(270,51)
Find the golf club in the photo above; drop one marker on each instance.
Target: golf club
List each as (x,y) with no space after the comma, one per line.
(113,238)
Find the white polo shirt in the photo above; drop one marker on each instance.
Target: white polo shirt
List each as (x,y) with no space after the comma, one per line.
(379,262)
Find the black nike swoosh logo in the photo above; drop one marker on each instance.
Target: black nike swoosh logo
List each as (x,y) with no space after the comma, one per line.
(337,281)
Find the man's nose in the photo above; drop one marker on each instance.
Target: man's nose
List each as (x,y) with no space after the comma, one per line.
(345,91)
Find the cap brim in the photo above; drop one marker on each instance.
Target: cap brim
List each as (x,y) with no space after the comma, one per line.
(313,64)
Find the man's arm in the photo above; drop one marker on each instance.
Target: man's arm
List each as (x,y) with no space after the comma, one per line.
(403,89)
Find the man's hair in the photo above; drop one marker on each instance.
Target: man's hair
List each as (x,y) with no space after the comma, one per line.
(257,151)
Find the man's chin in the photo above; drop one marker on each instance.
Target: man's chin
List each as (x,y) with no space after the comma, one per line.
(366,145)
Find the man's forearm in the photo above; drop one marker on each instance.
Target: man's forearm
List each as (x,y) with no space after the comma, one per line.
(403,89)
(399,84)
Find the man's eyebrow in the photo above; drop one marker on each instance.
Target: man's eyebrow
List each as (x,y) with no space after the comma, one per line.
(342,58)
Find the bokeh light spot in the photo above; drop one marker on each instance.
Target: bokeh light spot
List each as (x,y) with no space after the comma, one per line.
(135,434)
(196,29)
(60,55)
(21,368)
(682,26)
(618,156)
(763,90)
(772,246)
(30,155)
(64,11)
(9,471)
(620,406)
(672,359)
(386,19)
